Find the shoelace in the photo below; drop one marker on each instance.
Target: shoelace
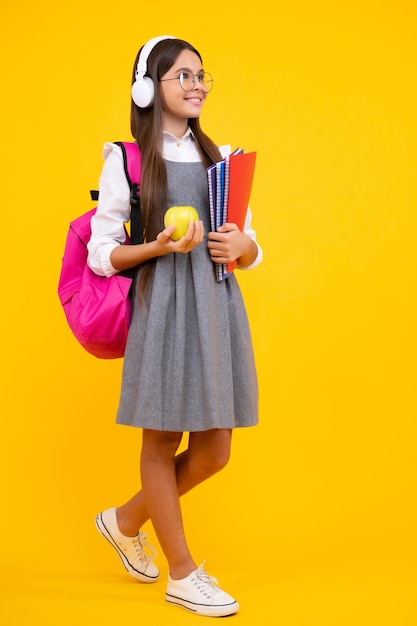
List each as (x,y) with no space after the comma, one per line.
(139,543)
(206,584)
(142,537)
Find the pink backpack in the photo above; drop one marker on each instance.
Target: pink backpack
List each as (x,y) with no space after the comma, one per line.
(97,308)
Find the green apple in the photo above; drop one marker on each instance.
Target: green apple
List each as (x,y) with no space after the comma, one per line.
(180,217)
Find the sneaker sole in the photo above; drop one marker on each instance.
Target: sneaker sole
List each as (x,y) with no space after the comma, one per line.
(201,609)
(102,529)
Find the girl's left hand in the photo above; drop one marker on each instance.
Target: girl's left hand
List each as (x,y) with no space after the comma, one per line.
(227,244)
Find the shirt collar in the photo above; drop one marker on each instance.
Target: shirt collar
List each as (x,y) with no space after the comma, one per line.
(170,137)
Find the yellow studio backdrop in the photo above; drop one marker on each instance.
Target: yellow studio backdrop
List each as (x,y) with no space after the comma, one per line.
(313,521)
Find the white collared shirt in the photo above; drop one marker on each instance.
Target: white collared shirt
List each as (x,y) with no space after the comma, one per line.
(113,209)
(183,150)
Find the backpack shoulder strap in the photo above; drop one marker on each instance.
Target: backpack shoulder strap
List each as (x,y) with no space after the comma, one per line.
(133,169)
(132,166)
(131,161)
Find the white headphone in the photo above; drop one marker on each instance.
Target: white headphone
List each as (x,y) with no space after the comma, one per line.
(143,89)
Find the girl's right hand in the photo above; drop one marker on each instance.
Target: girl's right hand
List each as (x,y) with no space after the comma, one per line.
(192,238)
(125,256)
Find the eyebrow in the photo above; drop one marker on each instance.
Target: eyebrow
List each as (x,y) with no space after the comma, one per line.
(187,69)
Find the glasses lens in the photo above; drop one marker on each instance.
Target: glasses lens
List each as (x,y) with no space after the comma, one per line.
(206,81)
(186,81)
(203,81)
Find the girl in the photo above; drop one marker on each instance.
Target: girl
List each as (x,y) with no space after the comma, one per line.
(189,363)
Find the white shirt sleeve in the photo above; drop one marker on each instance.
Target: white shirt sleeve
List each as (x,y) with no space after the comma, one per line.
(248,230)
(113,211)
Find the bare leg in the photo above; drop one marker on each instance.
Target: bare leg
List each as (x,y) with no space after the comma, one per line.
(165,477)
(159,485)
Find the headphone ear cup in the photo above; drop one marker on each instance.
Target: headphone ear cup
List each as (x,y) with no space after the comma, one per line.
(143,91)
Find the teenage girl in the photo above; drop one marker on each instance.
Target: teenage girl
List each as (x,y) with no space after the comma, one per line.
(189,363)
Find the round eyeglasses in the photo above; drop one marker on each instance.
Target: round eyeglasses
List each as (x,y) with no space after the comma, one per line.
(187,81)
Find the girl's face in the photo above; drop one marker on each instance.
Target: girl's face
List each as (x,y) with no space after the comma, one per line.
(179,105)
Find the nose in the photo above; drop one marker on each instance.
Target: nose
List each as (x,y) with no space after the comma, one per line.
(197,84)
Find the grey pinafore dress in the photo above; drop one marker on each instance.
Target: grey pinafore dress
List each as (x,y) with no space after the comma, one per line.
(189,362)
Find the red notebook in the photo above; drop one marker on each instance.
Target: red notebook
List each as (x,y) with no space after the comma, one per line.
(241,170)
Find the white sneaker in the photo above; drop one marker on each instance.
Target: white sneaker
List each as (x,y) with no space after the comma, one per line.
(131,550)
(201,594)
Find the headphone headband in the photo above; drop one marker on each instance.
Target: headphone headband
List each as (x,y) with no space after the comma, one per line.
(143,88)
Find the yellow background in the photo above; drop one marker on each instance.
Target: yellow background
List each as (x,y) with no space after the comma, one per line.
(313,523)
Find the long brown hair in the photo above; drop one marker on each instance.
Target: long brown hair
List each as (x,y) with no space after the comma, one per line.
(146,128)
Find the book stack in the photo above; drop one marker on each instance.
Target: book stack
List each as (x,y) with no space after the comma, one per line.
(229,186)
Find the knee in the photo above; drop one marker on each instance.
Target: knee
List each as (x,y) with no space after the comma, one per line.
(209,451)
(211,461)
(161,443)
(220,459)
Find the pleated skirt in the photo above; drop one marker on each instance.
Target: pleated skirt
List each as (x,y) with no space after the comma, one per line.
(189,363)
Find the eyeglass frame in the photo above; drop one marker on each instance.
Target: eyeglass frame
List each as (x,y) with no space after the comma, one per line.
(194,76)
